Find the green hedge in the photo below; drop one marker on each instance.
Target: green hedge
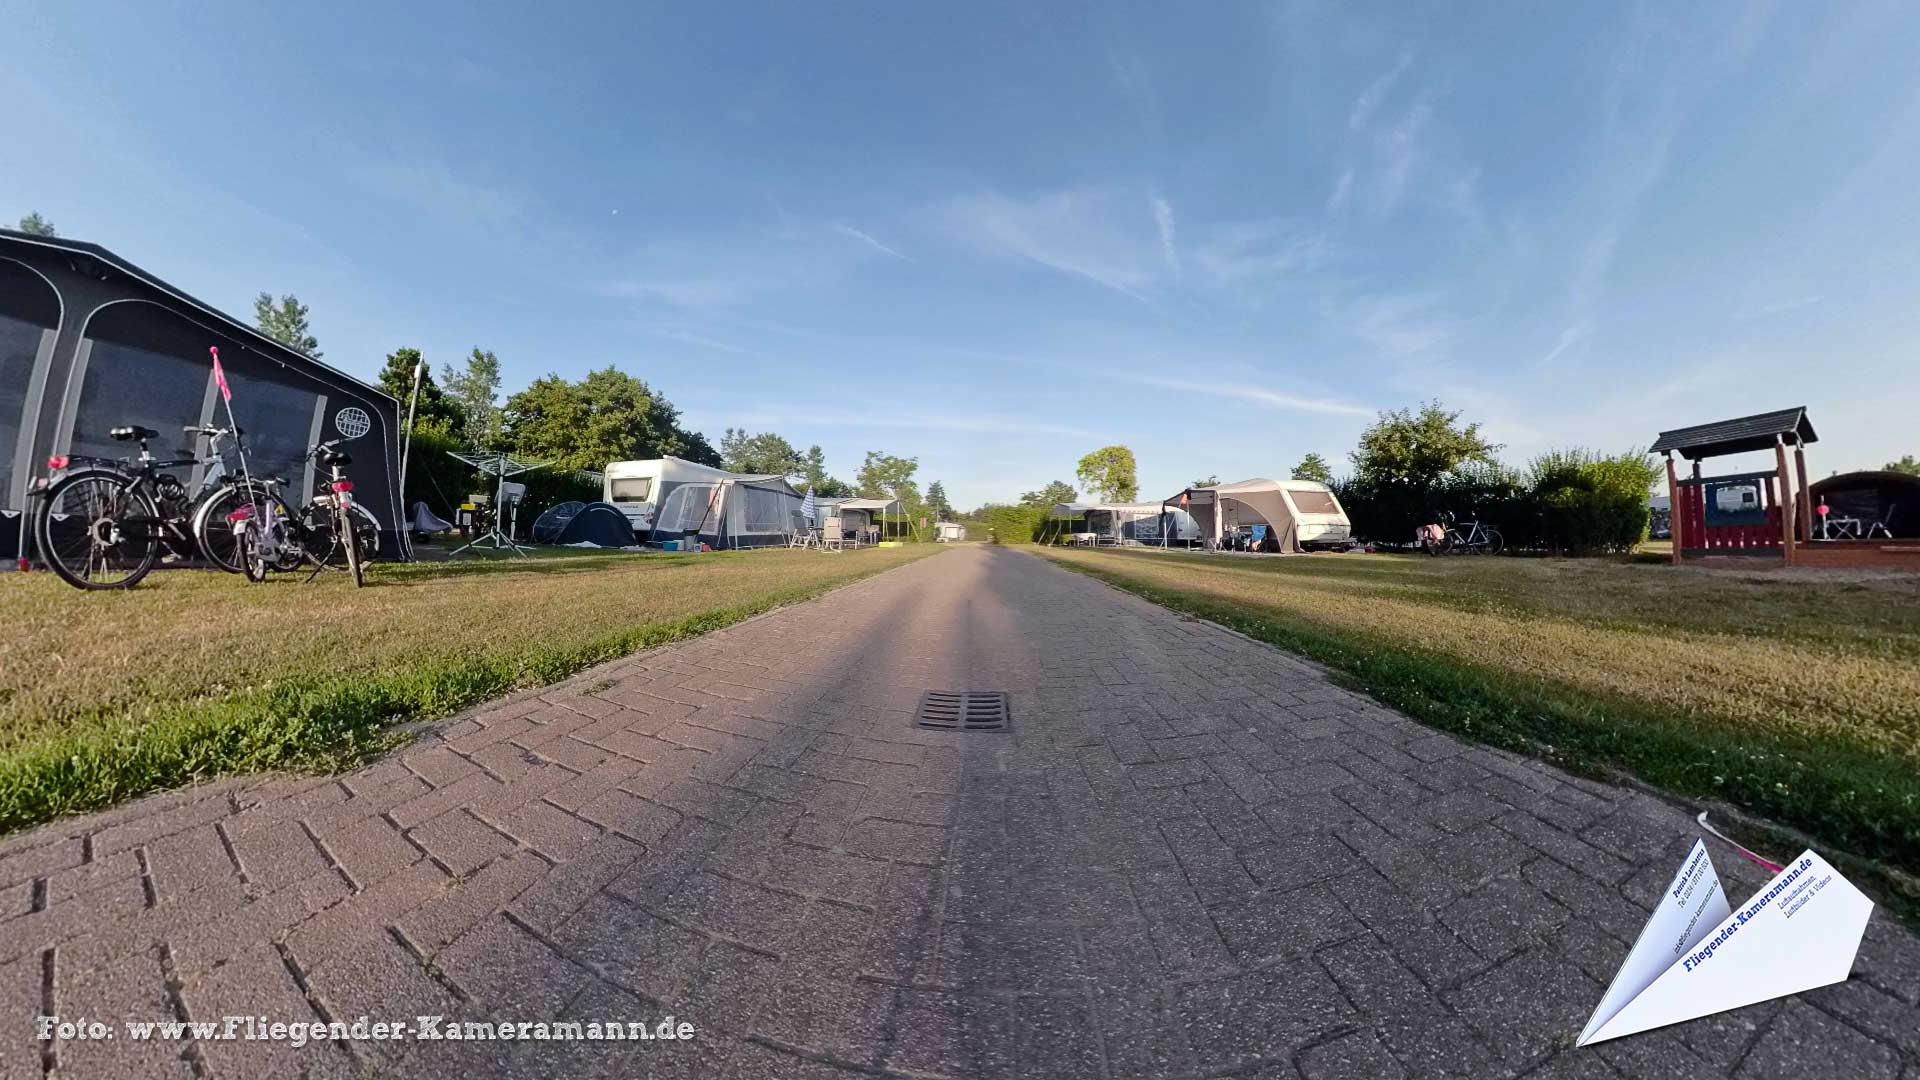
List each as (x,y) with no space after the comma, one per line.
(1568,502)
(1014,524)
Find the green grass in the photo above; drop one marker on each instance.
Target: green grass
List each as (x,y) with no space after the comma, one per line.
(105,696)
(1791,697)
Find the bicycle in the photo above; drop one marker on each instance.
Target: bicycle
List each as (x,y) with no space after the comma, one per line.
(220,523)
(1478,539)
(99,522)
(102,523)
(334,517)
(310,534)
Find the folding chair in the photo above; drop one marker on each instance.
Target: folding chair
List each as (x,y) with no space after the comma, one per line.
(831,538)
(1883,529)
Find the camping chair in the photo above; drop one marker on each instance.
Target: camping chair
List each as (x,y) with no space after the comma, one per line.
(803,538)
(831,536)
(1883,529)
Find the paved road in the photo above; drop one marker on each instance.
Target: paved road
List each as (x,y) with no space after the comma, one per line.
(1192,855)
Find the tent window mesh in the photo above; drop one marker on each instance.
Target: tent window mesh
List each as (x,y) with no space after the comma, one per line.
(759,511)
(684,509)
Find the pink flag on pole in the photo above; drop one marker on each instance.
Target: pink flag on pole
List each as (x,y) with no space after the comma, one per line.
(219,376)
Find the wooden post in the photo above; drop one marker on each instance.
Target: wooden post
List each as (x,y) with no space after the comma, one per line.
(1675,512)
(1789,513)
(1806,491)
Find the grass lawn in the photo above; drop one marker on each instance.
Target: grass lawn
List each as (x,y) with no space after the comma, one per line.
(1789,695)
(108,695)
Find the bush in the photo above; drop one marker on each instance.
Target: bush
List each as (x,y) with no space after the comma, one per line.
(1584,503)
(1571,502)
(1014,524)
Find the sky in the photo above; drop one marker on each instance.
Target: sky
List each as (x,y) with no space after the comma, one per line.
(997,237)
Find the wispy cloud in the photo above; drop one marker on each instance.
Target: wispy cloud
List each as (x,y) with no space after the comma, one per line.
(1080,232)
(1399,325)
(1398,151)
(688,337)
(1248,262)
(1342,194)
(1375,94)
(1100,234)
(1781,307)
(1163,217)
(867,239)
(887,416)
(1257,395)
(1570,337)
(429,185)
(729,269)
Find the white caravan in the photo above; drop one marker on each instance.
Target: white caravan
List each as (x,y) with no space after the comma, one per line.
(639,487)
(673,499)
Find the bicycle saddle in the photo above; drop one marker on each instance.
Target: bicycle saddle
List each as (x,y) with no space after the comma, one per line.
(133,431)
(336,457)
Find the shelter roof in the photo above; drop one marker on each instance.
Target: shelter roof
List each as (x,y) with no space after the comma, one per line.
(1737,436)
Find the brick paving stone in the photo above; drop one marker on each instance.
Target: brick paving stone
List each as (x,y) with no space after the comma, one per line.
(134,990)
(256,981)
(1191,856)
(460,842)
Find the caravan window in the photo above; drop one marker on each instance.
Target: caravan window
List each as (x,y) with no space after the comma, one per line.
(636,490)
(1313,502)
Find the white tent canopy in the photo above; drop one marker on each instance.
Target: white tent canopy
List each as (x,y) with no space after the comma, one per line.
(856,513)
(883,507)
(1125,523)
(1297,513)
(742,510)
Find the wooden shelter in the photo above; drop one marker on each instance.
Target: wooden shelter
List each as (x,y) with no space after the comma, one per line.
(1766,515)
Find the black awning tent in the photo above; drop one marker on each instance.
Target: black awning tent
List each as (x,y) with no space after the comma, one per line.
(89,342)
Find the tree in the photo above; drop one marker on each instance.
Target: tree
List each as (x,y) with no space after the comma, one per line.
(1057,492)
(477,391)
(937,502)
(1313,467)
(1109,473)
(694,447)
(1906,464)
(762,453)
(607,416)
(436,410)
(1211,481)
(35,225)
(1418,449)
(883,475)
(286,322)
(813,468)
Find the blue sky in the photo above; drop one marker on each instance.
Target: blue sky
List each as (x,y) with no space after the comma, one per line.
(998,237)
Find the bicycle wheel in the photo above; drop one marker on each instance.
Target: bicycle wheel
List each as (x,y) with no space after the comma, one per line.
(215,535)
(350,544)
(247,549)
(1495,542)
(97,533)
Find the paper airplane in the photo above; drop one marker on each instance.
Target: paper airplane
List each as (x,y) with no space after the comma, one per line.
(1696,956)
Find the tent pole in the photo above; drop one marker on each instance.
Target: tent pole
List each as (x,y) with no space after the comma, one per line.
(403,534)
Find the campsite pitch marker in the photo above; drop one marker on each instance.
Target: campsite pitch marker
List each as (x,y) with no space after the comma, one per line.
(1696,956)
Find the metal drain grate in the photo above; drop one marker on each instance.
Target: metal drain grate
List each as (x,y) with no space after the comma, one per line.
(969,710)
